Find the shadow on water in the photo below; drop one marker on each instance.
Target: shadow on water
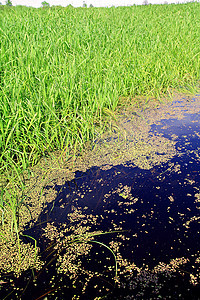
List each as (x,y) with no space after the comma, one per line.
(157,210)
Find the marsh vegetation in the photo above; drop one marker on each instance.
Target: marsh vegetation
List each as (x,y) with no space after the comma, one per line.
(80,89)
(62,69)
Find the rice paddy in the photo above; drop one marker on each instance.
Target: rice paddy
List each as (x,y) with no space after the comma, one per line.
(80,89)
(62,69)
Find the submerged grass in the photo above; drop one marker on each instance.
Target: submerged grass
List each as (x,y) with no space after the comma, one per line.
(62,68)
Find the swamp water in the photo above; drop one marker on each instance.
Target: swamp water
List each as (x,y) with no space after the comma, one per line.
(126,226)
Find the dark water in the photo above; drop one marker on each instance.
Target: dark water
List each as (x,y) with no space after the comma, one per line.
(153,215)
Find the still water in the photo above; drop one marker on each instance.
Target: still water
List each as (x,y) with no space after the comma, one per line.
(150,219)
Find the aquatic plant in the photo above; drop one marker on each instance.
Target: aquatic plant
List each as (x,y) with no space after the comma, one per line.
(65,248)
(63,67)
(64,73)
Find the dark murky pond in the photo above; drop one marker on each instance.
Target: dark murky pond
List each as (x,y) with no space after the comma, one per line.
(151,222)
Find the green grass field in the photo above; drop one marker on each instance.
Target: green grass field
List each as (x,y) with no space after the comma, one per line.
(63,72)
(60,68)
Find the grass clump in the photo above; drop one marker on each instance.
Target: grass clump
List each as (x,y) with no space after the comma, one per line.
(61,68)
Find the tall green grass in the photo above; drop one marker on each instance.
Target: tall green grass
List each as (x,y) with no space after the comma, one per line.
(60,68)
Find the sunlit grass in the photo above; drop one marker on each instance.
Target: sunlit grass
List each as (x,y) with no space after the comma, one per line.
(63,72)
(61,67)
